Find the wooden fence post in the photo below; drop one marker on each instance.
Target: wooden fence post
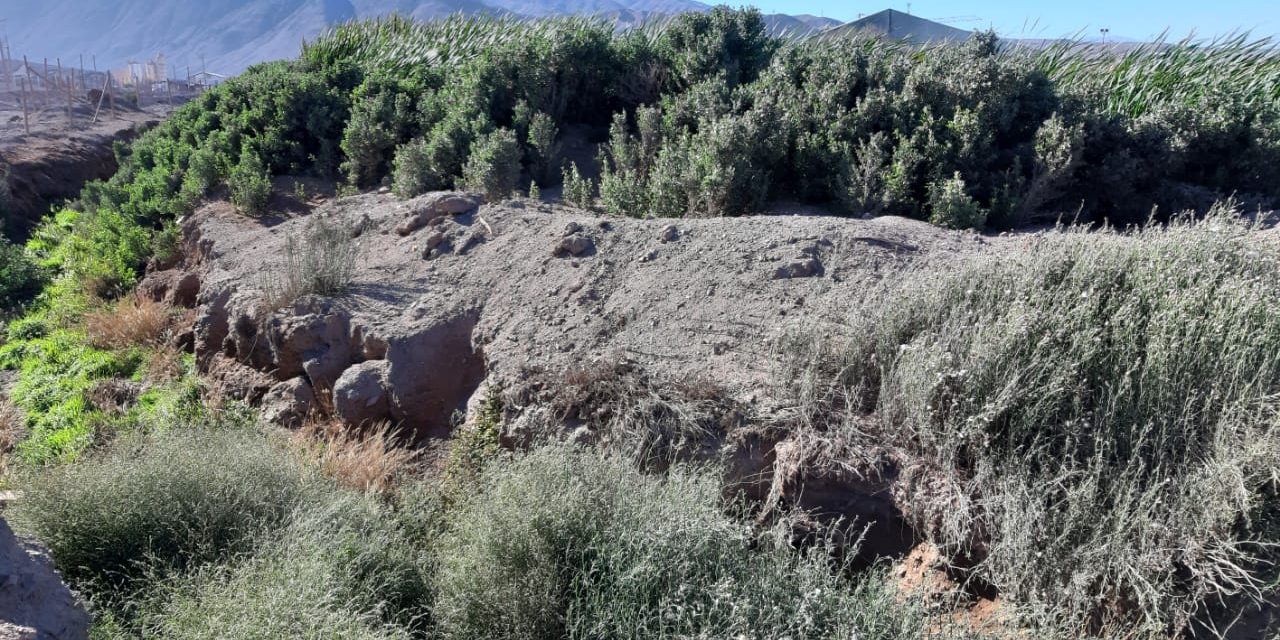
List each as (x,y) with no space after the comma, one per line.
(26,118)
(62,80)
(101,97)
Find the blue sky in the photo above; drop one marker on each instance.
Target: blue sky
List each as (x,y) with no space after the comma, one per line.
(1139,20)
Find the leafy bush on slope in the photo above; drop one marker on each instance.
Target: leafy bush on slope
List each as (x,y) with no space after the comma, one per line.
(1091,422)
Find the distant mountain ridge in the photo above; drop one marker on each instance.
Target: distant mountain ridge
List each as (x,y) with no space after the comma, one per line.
(226,36)
(904,26)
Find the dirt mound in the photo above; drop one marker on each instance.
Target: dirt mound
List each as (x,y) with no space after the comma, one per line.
(34,603)
(452,295)
(453,300)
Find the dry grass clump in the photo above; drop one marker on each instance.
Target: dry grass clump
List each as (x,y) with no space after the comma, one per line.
(373,459)
(625,409)
(132,321)
(1092,424)
(322,261)
(164,364)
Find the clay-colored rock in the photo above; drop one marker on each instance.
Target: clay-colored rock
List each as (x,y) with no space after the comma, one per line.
(430,206)
(574,245)
(360,394)
(311,338)
(289,403)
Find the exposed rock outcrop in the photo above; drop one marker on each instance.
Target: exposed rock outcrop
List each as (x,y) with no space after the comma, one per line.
(289,403)
(47,167)
(34,603)
(360,395)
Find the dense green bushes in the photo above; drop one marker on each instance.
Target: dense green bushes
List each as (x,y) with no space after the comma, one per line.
(223,533)
(564,544)
(158,505)
(710,116)
(1093,419)
(713,117)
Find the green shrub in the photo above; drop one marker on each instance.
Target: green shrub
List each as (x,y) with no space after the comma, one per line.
(342,569)
(250,185)
(565,544)
(411,173)
(544,149)
(952,207)
(447,148)
(697,46)
(20,278)
(493,167)
(627,161)
(203,173)
(322,261)
(1097,415)
(578,191)
(366,143)
(155,505)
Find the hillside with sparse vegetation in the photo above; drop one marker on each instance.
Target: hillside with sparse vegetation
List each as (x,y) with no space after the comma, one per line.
(481,328)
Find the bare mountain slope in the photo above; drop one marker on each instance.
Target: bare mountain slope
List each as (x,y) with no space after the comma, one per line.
(904,26)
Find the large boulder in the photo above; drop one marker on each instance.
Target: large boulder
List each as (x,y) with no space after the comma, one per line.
(360,395)
(34,603)
(426,208)
(289,403)
(314,339)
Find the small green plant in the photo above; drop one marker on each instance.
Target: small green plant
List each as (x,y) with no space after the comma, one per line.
(494,165)
(534,192)
(20,278)
(411,173)
(475,445)
(250,185)
(951,206)
(322,261)
(578,191)
(204,171)
(544,149)
(166,244)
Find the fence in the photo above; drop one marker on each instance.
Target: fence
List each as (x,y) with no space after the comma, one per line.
(86,95)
